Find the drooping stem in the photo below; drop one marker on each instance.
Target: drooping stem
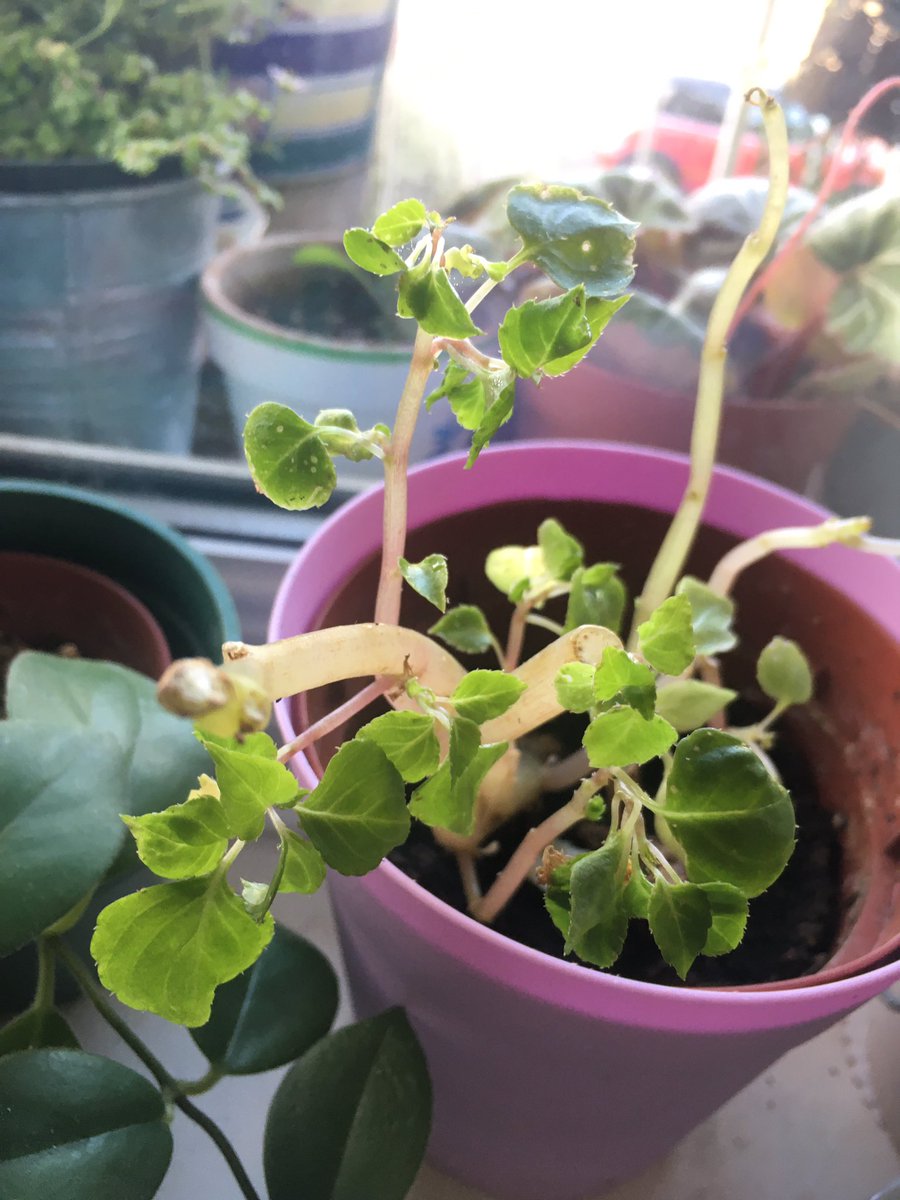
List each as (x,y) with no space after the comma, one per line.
(396,462)
(169,1085)
(677,543)
(334,719)
(43,997)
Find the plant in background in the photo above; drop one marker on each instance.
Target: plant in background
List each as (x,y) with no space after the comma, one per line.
(687,819)
(122,82)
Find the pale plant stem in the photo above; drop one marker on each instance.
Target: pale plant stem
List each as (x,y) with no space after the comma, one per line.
(663,862)
(476,298)
(850,532)
(396,463)
(231,854)
(334,719)
(469,877)
(559,775)
(515,637)
(545,623)
(677,543)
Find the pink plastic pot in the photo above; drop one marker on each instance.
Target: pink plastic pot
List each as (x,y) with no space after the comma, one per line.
(553,1082)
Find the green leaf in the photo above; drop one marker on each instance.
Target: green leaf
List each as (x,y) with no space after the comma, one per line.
(428,578)
(183,841)
(689,703)
(340,433)
(784,673)
(472,265)
(712,617)
(401,223)
(586,902)
(638,891)
(574,238)
(621,736)
(598,313)
(574,685)
(484,695)
(447,803)
(249,783)
(729,917)
(287,458)
(358,812)
(428,296)
(680,919)
(563,554)
(667,638)
(37,1029)
(273,1012)
(510,567)
(105,698)
(465,740)
(409,741)
(597,598)
(351,1118)
(465,628)
(624,680)
(60,795)
(304,867)
(372,253)
(539,332)
(80,1127)
(468,404)
(496,415)
(166,949)
(733,820)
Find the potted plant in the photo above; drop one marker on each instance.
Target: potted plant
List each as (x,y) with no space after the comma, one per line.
(116,135)
(652,829)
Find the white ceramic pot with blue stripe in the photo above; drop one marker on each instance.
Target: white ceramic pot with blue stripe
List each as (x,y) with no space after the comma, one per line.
(319,67)
(314,335)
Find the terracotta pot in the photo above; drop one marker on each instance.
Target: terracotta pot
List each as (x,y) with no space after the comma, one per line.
(785,441)
(580,1065)
(46,603)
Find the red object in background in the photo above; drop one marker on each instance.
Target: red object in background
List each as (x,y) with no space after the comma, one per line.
(682,142)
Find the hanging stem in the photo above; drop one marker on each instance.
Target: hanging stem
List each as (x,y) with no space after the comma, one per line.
(334,719)
(677,543)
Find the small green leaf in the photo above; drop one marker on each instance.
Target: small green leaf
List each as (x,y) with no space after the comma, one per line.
(680,919)
(783,672)
(248,784)
(372,253)
(409,741)
(446,803)
(729,917)
(80,1127)
(60,794)
(712,617)
(575,239)
(465,628)
(585,899)
(638,891)
(465,740)
(37,1029)
(358,812)
(401,223)
(622,679)
(428,296)
(495,417)
(484,695)
(689,703)
(468,404)
(340,433)
(183,841)
(563,554)
(304,867)
(597,597)
(428,578)
(287,458)
(539,332)
(598,313)
(351,1118)
(472,265)
(509,567)
(574,685)
(273,1012)
(621,736)
(733,820)
(667,638)
(166,949)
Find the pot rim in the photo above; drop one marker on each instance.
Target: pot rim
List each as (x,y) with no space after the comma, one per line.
(219,305)
(556,981)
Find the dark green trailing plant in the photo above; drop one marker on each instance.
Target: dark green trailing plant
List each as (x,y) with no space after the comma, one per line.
(690,820)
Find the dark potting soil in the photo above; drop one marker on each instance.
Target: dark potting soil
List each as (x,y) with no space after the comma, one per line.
(791,930)
(329,303)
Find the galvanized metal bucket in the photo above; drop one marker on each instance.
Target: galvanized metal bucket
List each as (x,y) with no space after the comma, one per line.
(100,337)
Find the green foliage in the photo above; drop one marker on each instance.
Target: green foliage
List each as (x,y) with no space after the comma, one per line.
(712,617)
(428,296)
(351,1118)
(401,223)
(689,703)
(465,628)
(428,578)
(249,779)
(680,918)
(371,253)
(184,841)
(409,741)
(783,672)
(597,597)
(563,554)
(37,1029)
(621,736)
(273,1012)
(574,685)
(484,695)
(667,637)
(81,1127)
(304,866)
(287,458)
(447,799)
(585,902)
(621,679)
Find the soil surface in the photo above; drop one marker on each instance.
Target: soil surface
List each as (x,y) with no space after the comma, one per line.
(330,303)
(791,929)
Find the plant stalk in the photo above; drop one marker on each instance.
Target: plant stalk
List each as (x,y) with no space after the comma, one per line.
(676,546)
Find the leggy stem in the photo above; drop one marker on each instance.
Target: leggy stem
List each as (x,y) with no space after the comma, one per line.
(396,461)
(335,719)
(167,1083)
(677,543)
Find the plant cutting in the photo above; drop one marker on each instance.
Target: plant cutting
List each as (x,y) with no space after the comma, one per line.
(670,813)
